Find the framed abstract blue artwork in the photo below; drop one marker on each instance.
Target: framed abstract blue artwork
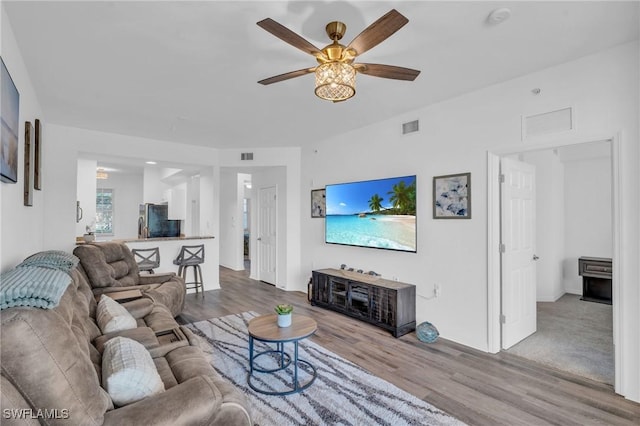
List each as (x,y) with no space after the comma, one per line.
(452,196)
(9,110)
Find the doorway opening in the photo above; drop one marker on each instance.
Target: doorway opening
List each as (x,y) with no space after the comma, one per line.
(570,334)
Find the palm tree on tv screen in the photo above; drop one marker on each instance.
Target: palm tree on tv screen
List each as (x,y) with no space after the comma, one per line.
(403,198)
(375,203)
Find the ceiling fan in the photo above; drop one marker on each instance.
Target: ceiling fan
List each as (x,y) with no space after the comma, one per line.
(336,70)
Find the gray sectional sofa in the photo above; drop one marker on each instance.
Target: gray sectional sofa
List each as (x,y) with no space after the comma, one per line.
(51,360)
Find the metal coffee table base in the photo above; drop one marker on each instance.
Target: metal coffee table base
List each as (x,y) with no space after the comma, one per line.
(285,361)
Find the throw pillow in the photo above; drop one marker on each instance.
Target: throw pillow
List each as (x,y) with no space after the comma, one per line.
(128,371)
(112,316)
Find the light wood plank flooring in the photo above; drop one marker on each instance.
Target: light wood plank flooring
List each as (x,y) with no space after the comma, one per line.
(476,387)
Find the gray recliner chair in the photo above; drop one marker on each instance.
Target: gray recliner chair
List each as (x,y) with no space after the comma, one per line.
(110,267)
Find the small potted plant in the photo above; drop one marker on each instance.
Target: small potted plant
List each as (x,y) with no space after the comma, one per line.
(284,314)
(89,237)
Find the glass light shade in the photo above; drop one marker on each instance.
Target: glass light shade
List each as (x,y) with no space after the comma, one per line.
(101,174)
(335,81)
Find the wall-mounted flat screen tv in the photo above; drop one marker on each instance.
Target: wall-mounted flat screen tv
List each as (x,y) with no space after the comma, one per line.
(377,213)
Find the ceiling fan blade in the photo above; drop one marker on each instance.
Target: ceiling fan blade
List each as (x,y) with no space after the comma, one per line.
(285,34)
(286,76)
(387,71)
(377,32)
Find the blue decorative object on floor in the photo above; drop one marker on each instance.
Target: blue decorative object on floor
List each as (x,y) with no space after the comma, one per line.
(427,332)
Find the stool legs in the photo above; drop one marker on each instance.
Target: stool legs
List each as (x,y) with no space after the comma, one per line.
(197,277)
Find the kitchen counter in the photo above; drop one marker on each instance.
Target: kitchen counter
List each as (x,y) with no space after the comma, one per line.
(135,240)
(141,240)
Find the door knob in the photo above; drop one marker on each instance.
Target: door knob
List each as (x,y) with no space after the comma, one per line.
(259,238)
(535,257)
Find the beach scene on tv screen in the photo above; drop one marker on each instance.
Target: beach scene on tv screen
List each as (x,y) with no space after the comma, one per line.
(376,213)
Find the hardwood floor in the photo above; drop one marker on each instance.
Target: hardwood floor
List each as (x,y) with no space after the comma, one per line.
(476,387)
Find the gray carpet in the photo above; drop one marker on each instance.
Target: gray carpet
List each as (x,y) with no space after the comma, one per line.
(574,336)
(342,394)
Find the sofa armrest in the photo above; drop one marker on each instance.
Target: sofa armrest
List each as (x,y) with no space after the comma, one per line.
(144,335)
(195,401)
(139,308)
(163,350)
(156,278)
(102,290)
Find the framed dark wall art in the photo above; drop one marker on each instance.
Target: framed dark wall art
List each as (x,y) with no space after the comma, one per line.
(452,196)
(29,159)
(318,203)
(37,163)
(9,111)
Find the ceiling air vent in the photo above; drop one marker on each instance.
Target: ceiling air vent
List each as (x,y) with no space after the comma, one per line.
(246,156)
(410,127)
(547,123)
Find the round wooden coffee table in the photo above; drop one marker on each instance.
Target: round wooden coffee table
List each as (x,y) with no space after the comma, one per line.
(265,329)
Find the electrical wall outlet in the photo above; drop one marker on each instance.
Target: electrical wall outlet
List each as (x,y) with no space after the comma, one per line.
(436,289)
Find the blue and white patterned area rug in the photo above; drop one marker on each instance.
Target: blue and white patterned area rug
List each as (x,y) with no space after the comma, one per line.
(342,394)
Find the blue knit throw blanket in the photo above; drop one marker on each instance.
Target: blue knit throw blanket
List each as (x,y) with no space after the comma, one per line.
(54,259)
(39,281)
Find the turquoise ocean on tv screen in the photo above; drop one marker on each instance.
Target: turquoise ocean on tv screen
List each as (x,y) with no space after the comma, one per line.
(379,231)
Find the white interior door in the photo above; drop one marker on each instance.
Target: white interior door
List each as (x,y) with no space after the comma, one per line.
(267,241)
(518,251)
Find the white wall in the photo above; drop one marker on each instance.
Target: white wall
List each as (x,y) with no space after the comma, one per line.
(209,201)
(127,197)
(86,195)
(231,193)
(153,187)
(454,137)
(550,222)
(22,227)
(588,227)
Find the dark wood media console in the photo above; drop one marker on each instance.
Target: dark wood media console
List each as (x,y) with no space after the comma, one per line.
(388,304)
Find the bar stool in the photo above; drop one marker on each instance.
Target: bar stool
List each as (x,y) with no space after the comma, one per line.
(191,256)
(147,259)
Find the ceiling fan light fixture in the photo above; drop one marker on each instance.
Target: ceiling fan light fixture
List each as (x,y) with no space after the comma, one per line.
(101,174)
(335,81)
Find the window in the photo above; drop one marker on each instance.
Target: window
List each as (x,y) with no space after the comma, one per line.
(104,211)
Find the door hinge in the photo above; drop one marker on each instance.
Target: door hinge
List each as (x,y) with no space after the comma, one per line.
(503,319)
(502,248)
(501,178)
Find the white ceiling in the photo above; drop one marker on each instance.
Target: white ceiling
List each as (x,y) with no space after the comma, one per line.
(187,71)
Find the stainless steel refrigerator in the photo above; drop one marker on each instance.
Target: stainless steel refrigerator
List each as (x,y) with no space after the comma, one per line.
(153,222)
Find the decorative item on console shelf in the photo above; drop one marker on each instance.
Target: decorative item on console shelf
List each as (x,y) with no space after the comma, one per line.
(360,271)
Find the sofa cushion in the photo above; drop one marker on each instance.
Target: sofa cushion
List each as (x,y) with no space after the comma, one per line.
(112,316)
(128,371)
(159,319)
(108,264)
